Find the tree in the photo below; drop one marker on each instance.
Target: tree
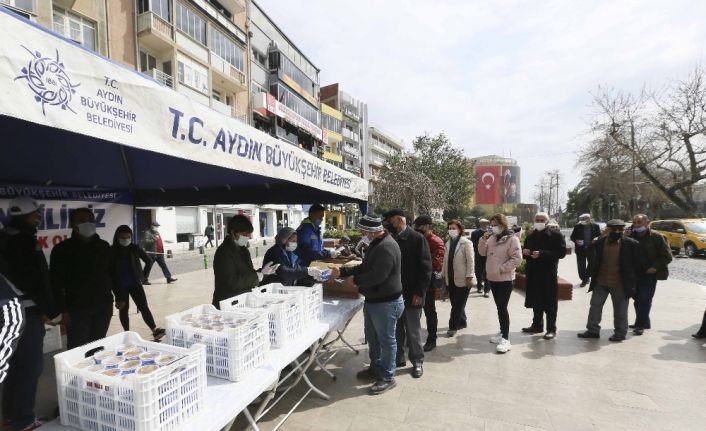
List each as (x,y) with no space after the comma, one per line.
(434,176)
(660,134)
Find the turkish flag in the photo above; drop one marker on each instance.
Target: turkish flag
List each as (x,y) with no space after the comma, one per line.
(488,185)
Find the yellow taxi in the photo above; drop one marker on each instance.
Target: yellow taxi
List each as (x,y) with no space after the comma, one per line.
(693,232)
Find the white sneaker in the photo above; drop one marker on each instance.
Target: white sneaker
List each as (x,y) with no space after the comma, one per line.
(495,339)
(504,346)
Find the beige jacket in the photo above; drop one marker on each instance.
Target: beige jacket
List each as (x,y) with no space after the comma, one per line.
(462,262)
(503,256)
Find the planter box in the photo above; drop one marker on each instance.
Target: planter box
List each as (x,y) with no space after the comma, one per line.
(566,289)
(520,281)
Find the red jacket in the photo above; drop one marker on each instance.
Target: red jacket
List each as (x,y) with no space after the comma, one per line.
(437,249)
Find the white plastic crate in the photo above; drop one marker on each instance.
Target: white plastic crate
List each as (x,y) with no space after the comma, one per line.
(230,353)
(52,338)
(284,312)
(311,298)
(162,400)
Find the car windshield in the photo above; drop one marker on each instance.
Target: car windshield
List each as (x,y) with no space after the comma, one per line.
(696,227)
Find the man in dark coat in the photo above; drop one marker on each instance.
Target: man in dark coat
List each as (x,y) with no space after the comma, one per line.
(583,236)
(232,265)
(424,224)
(618,260)
(416,276)
(479,261)
(84,281)
(657,255)
(543,248)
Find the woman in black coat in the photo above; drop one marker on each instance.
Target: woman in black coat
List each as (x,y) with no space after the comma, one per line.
(126,258)
(542,250)
(281,255)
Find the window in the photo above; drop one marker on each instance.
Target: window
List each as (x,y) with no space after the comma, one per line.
(161,8)
(191,23)
(75,27)
(331,123)
(27,5)
(279,61)
(147,62)
(259,57)
(295,103)
(192,74)
(226,48)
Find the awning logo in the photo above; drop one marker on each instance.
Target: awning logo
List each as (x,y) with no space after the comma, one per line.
(48,80)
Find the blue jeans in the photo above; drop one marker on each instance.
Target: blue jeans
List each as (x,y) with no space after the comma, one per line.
(380,324)
(19,389)
(646,286)
(159,258)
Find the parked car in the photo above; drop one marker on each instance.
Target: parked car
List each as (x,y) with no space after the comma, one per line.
(692,230)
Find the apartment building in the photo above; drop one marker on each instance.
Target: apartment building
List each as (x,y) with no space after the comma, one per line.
(284,86)
(381,145)
(332,125)
(354,127)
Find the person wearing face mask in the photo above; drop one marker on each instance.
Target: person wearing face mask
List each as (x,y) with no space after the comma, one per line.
(503,255)
(310,240)
(416,276)
(84,281)
(542,250)
(479,261)
(583,236)
(423,225)
(153,244)
(27,270)
(618,260)
(232,264)
(126,263)
(378,279)
(282,256)
(458,270)
(657,256)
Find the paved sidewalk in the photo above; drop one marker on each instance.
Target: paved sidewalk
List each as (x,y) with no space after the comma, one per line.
(653,382)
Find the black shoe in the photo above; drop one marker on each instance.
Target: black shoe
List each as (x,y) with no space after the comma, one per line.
(158,333)
(171,280)
(616,338)
(367,374)
(632,326)
(550,335)
(532,330)
(401,364)
(146,283)
(417,371)
(588,334)
(485,295)
(451,332)
(699,336)
(382,386)
(429,346)
(583,283)
(480,291)
(638,331)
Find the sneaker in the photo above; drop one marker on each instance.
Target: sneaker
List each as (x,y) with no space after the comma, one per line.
(503,346)
(33,426)
(550,335)
(382,386)
(158,333)
(497,338)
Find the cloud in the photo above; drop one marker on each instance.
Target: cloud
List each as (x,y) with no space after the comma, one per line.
(501,77)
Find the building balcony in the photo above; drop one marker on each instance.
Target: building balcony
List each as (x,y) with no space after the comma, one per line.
(154,32)
(353,168)
(234,7)
(380,149)
(161,77)
(228,75)
(21,5)
(351,135)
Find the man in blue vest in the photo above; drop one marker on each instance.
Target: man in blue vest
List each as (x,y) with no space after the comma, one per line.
(310,240)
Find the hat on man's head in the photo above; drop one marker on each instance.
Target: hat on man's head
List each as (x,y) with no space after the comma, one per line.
(370,223)
(423,220)
(284,234)
(155,224)
(393,213)
(484,220)
(584,216)
(615,223)
(316,208)
(23,205)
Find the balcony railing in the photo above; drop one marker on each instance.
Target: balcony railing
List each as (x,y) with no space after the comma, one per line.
(351,135)
(227,69)
(163,78)
(228,110)
(153,22)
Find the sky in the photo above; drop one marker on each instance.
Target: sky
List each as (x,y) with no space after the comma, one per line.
(512,78)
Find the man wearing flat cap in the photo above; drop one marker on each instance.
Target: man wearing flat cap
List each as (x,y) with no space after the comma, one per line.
(378,279)
(618,259)
(416,276)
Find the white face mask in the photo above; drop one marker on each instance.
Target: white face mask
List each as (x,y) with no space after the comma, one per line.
(584,222)
(87,229)
(540,226)
(497,230)
(365,240)
(242,240)
(125,241)
(291,246)
(453,233)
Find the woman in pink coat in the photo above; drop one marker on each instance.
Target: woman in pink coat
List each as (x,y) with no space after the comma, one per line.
(503,255)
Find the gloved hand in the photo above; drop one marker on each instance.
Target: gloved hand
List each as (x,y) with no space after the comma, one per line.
(269,268)
(437,275)
(315,272)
